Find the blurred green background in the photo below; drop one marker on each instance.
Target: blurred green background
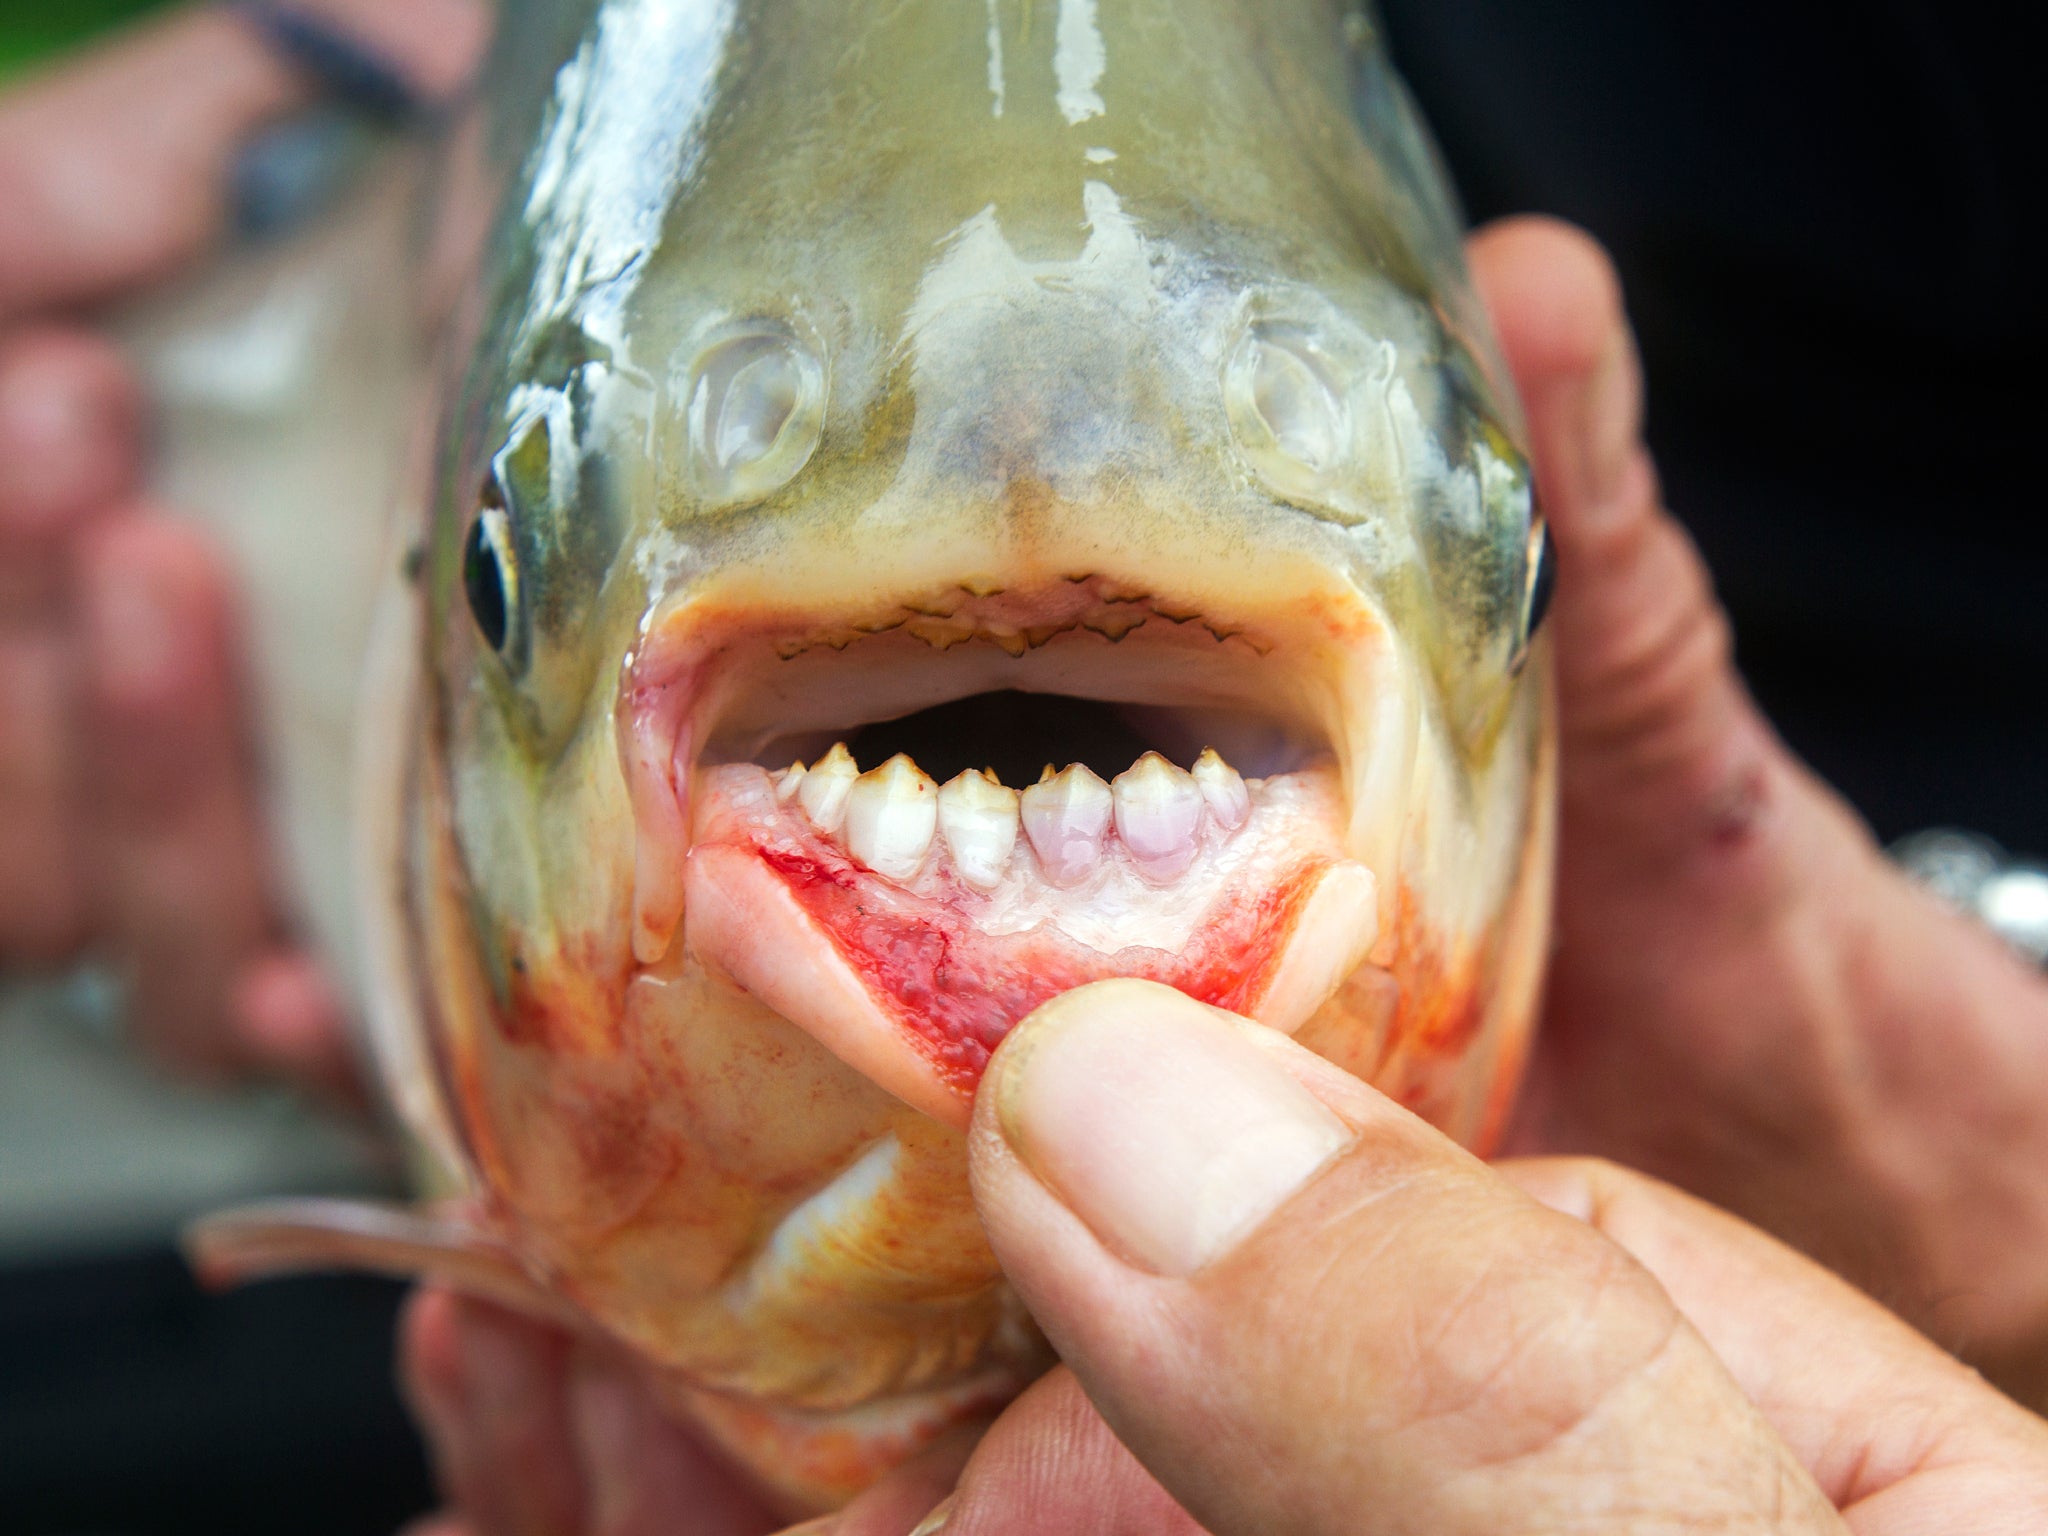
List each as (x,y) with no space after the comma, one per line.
(31,30)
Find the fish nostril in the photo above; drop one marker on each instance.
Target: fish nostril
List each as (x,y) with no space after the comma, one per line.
(756,409)
(1286,404)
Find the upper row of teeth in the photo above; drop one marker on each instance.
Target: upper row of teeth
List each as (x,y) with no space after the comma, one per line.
(889,817)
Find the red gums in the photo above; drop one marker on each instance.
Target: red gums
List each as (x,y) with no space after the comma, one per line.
(957,991)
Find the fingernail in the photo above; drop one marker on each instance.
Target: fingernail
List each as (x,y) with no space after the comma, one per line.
(940,1517)
(1158,1123)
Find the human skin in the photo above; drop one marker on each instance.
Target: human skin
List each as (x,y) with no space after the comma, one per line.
(127,781)
(1746,998)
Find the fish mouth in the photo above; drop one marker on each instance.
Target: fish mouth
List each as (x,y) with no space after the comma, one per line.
(905,827)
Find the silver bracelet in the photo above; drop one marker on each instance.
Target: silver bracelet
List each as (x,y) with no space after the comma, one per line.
(1978,878)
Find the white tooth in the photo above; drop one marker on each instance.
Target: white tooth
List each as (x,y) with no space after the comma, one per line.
(1223,787)
(979,818)
(1159,816)
(891,814)
(823,791)
(1066,817)
(791,781)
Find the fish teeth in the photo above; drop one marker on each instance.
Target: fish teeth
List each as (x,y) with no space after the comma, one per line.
(892,814)
(1223,788)
(979,818)
(1066,817)
(889,817)
(1158,816)
(824,789)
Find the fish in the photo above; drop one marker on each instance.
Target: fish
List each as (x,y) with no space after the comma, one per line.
(924,506)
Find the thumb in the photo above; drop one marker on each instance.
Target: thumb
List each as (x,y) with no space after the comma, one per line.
(1663,753)
(1306,1311)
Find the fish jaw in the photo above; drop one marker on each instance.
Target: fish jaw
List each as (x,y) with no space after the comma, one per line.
(908,926)
(915,985)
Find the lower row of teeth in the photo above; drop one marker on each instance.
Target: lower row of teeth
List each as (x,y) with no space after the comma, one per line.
(889,817)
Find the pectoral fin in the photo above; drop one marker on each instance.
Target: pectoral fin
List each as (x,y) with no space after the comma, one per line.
(442,1244)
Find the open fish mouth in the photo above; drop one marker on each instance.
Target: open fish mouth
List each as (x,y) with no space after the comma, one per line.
(903,830)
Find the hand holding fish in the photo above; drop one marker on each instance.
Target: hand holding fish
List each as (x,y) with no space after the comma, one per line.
(1296,1307)
(1262,1407)
(1746,998)
(1726,928)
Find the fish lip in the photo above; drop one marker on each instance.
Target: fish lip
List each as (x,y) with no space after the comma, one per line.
(702,686)
(717,678)
(914,987)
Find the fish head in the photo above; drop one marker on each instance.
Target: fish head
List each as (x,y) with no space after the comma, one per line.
(904,560)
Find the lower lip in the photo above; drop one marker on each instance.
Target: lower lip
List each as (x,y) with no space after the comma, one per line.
(956,991)
(914,984)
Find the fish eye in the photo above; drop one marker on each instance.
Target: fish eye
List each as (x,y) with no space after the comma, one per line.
(490,571)
(1539,585)
(756,411)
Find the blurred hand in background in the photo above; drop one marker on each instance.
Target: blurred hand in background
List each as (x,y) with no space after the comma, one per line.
(131,801)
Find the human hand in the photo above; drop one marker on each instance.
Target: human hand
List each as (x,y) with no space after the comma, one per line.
(130,799)
(1285,1304)
(1746,998)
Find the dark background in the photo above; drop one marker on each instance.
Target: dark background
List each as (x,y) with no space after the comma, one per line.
(1828,219)
(1829,222)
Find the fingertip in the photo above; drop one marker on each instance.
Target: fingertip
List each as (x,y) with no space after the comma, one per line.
(1557,307)
(71,428)
(1159,1122)
(1553,292)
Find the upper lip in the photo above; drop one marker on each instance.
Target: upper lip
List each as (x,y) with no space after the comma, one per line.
(758,689)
